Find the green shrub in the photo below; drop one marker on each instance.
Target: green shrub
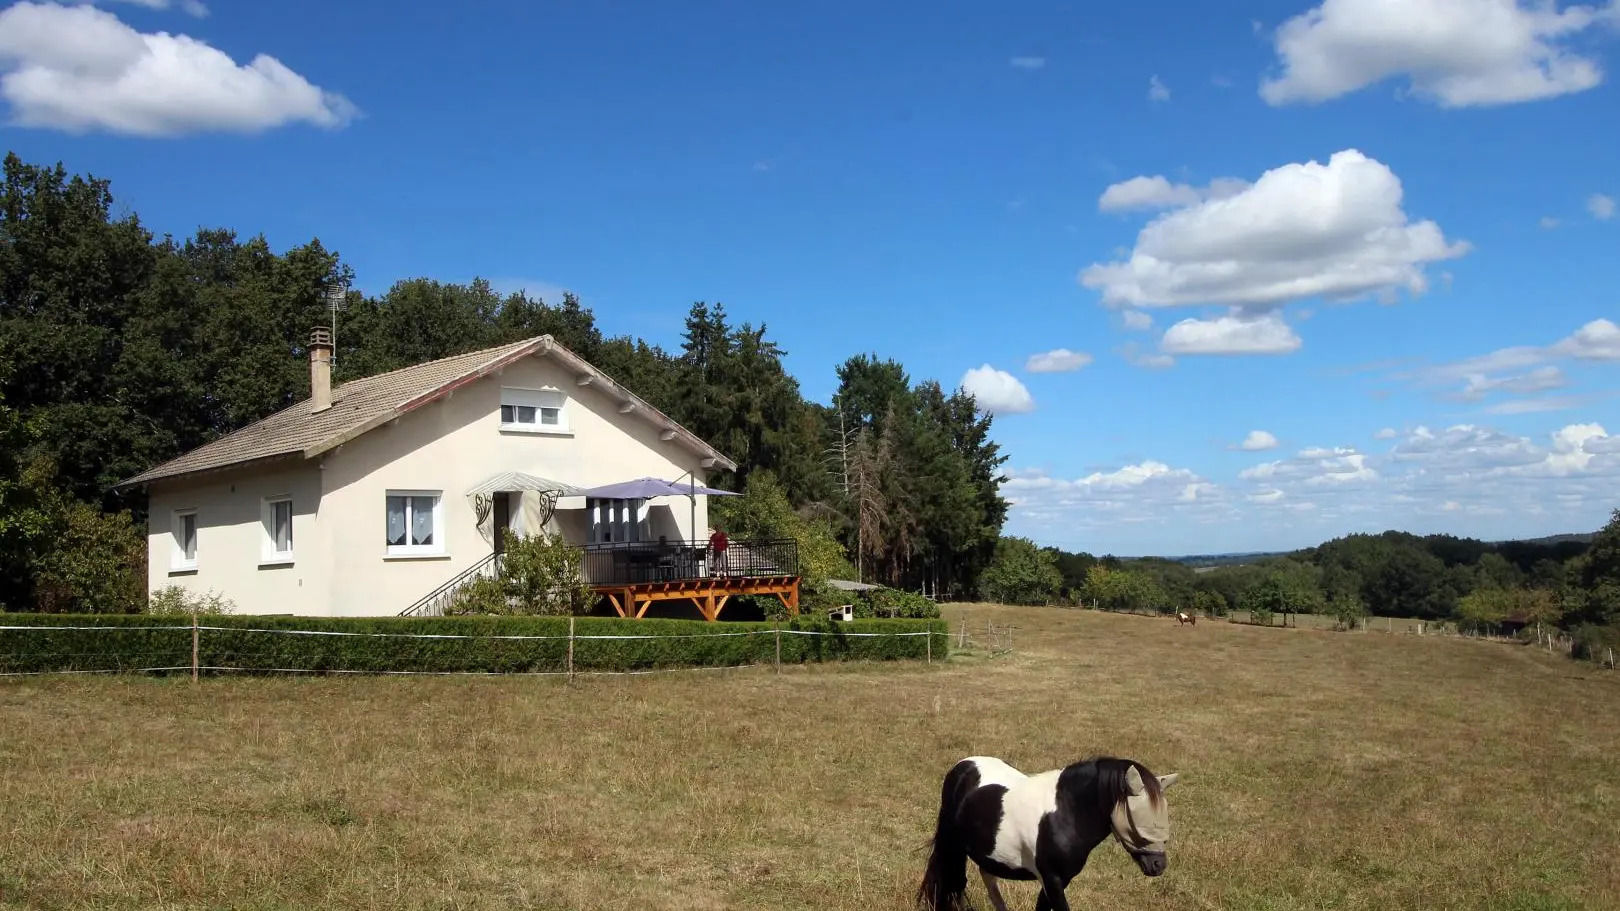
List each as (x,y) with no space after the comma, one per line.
(894,603)
(1209,603)
(1347,610)
(97,564)
(815,598)
(540,575)
(1593,642)
(378,644)
(178,601)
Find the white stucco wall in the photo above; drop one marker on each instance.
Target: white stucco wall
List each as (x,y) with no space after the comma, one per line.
(232,540)
(454,444)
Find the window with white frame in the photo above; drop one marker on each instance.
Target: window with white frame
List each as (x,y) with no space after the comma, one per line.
(415,523)
(185,539)
(534,410)
(278,529)
(616,520)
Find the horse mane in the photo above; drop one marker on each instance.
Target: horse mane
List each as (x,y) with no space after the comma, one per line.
(1111,785)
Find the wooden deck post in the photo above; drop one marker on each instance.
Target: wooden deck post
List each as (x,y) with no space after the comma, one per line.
(709,595)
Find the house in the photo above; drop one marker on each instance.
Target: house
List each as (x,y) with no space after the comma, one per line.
(384,494)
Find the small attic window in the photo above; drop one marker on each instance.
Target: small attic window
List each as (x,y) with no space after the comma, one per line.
(534,410)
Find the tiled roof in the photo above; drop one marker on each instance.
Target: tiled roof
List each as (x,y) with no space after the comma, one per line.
(362,404)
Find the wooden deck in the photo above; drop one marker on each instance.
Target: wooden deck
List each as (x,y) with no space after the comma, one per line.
(634,576)
(710,595)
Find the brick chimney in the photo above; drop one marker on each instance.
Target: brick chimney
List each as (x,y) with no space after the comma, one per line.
(320,369)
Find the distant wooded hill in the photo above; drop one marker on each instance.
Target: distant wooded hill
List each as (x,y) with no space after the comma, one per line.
(1239,559)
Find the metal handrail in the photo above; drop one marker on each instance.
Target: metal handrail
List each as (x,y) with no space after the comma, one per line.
(430,605)
(631,562)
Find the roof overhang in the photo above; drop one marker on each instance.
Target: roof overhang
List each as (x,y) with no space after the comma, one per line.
(147,478)
(585,374)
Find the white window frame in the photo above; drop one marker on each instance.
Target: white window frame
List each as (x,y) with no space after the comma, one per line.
(622,521)
(437,548)
(178,561)
(536,402)
(269,555)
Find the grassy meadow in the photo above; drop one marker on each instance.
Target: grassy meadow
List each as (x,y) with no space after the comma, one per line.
(1319,770)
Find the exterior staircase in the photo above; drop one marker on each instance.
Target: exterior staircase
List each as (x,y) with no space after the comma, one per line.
(434,602)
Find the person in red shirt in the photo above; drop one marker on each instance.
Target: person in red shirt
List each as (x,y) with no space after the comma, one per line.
(717,549)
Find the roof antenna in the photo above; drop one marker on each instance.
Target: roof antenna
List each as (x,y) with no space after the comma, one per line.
(337,299)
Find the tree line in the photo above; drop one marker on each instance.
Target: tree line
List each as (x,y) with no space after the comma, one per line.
(1566,582)
(120,349)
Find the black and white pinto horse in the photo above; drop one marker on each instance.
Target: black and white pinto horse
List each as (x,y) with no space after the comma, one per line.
(1041,827)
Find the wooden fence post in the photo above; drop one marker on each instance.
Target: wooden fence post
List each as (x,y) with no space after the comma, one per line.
(194,647)
(778,625)
(930,641)
(570,649)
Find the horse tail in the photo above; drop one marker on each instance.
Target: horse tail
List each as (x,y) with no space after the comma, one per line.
(944,882)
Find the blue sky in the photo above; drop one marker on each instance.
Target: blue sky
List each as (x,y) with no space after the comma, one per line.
(1377,242)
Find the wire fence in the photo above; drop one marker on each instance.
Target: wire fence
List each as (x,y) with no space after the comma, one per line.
(46,649)
(1553,640)
(997,641)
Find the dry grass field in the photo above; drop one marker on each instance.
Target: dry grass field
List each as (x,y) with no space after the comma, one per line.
(1319,770)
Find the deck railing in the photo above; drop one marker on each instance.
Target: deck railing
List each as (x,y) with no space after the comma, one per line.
(630,563)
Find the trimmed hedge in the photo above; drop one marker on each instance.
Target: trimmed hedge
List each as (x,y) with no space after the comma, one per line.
(229,641)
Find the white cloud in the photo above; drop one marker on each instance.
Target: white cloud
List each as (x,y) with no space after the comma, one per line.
(1598,340)
(1146,192)
(1456,53)
(1466,454)
(192,7)
(79,69)
(997,391)
(1540,379)
(1314,468)
(1388,433)
(1258,441)
(1601,207)
(1137,320)
(1538,405)
(1135,356)
(1145,491)
(1157,192)
(1027,63)
(1465,479)
(1157,90)
(1059,360)
(1466,446)
(1333,230)
(1522,370)
(1548,222)
(1232,334)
